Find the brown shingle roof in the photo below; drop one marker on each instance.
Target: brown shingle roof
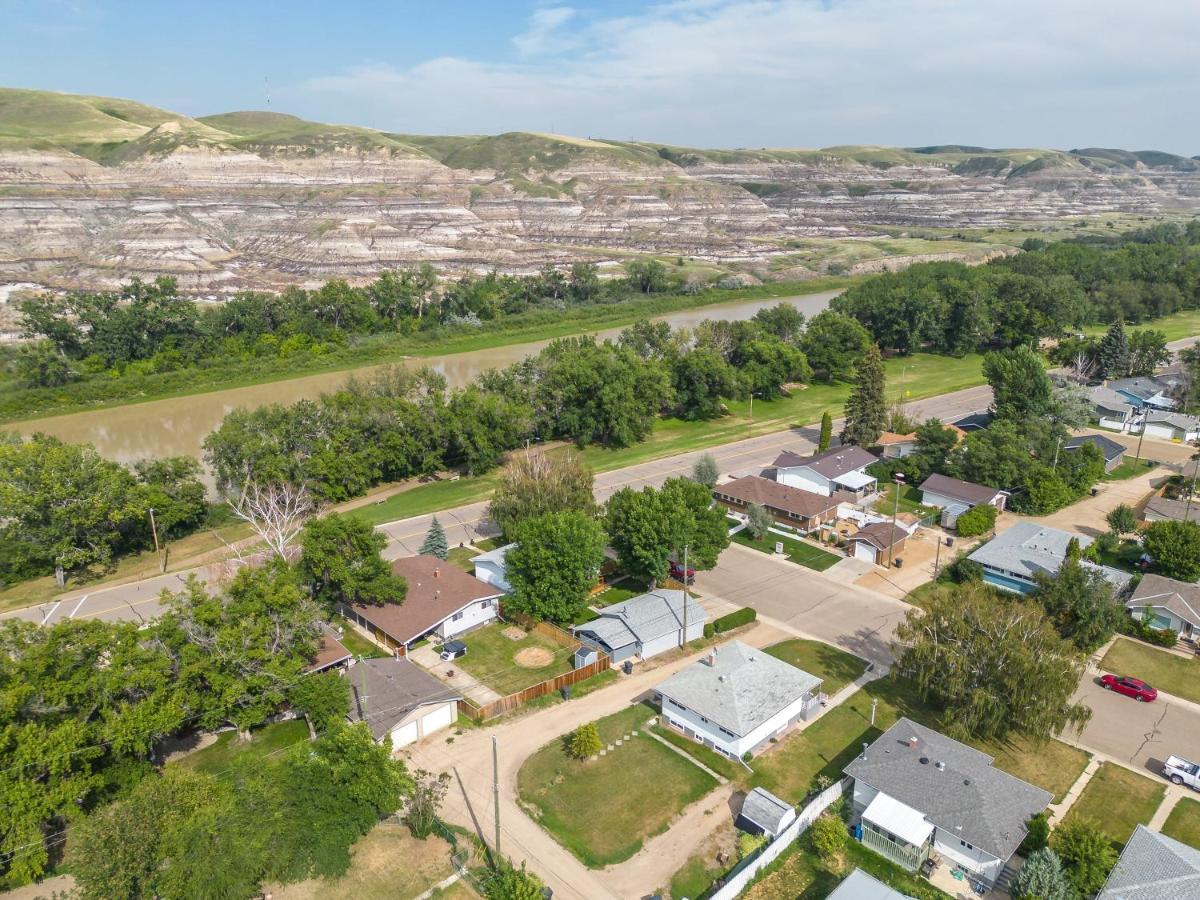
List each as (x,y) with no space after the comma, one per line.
(890,437)
(963,491)
(436,590)
(880,535)
(830,464)
(330,653)
(773,495)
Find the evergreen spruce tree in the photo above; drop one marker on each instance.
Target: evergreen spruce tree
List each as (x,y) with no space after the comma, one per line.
(866,408)
(435,541)
(826,432)
(1112,353)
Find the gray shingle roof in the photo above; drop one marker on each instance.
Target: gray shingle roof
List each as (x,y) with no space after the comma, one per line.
(1180,597)
(973,421)
(1028,548)
(964,491)
(1178,420)
(644,618)
(765,809)
(1172,509)
(1109,448)
(830,464)
(858,885)
(1141,387)
(1154,867)
(1110,400)
(384,691)
(741,688)
(968,798)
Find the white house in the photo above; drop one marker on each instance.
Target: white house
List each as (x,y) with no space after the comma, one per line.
(1172,426)
(1013,558)
(839,469)
(645,625)
(916,791)
(490,567)
(955,497)
(1167,603)
(737,698)
(399,701)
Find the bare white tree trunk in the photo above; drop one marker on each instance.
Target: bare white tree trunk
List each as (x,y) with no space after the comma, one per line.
(276,512)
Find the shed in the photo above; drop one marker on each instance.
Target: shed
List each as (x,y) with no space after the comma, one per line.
(764,813)
(585,655)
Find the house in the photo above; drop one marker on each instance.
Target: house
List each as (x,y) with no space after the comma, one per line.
(399,701)
(1012,558)
(442,601)
(331,654)
(737,698)
(764,813)
(1172,426)
(975,421)
(1154,867)
(1160,509)
(1166,603)
(489,567)
(791,506)
(646,625)
(896,446)
(954,497)
(1112,410)
(858,885)
(1144,391)
(879,542)
(1113,453)
(839,469)
(916,792)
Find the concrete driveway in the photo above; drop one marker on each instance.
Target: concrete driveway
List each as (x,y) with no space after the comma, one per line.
(851,617)
(1141,735)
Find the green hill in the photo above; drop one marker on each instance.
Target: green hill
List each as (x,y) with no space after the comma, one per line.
(272,132)
(523,151)
(49,118)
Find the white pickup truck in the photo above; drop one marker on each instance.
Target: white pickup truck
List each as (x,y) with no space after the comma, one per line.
(1180,771)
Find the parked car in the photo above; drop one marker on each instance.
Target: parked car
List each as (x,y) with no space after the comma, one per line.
(1130,687)
(453,650)
(678,574)
(1181,771)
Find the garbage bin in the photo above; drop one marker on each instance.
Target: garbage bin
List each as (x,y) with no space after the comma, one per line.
(565,690)
(627,667)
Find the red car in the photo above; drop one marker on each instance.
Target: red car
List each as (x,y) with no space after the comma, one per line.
(1130,687)
(678,574)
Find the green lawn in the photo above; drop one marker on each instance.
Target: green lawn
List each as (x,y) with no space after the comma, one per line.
(1183,823)
(491,658)
(356,643)
(460,558)
(1125,557)
(1176,675)
(618,593)
(1129,469)
(602,810)
(720,764)
(270,740)
(910,502)
(1118,800)
(804,553)
(1175,326)
(837,667)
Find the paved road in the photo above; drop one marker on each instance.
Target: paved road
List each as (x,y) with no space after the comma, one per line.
(1138,734)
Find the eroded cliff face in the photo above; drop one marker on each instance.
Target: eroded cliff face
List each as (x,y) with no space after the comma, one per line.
(222,217)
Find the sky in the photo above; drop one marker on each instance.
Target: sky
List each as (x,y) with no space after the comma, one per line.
(709,73)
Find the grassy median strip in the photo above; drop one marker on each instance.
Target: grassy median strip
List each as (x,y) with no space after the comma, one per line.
(1118,800)
(1167,671)
(801,552)
(1183,823)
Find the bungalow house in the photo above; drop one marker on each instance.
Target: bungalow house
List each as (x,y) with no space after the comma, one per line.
(646,625)
(764,813)
(918,792)
(954,497)
(490,567)
(858,885)
(879,542)
(1160,509)
(1012,558)
(737,698)
(1113,453)
(400,702)
(896,446)
(791,506)
(1166,603)
(839,469)
(1154,867)
(1172,426)
(442,601)
(1112,410)
(1144,391)
(331,654)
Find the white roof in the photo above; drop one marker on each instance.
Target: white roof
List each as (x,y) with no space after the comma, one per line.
(903,821)
(854,480)
(493,556)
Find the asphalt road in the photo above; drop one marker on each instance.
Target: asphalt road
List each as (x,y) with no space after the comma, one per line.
(1141,735)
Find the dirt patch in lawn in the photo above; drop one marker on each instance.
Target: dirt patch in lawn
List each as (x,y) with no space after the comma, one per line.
(533,657)
(513,633)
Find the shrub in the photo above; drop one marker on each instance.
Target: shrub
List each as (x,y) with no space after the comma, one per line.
(964,571)
(1042,878)
(758,521)
(1037,836)
(1086,853)
(829,838)
(510,883)
(976,520)
(584,741)
(748,844)
(709,631)
(1137,628)
(735,619)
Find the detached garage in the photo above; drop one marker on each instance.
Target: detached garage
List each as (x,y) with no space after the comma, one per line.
(401,702)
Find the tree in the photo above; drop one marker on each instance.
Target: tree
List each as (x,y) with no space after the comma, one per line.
(585,741)
(322,698)
(534,483)
(1081,603)
(425,802)
(1021,389)
(435,543)
(554,565)
(702,380)
(1037,834)
(705,470)
(995,666)
(1112,353)
(834,344)
(783,321)
(826,436)
(1122,519)
(1174,548)
(41,364)
(932,448)
(1042,878)
(829,838)
(1086,852)
(340,560)
(977,520)
(866,408)
(276,511)
(758,520)
(1071,406)
(1147,351)
(506,882)
(648,527)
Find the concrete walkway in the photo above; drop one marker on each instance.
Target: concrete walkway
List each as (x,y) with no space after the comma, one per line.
(721,779)
(1058,810)
(1175,792)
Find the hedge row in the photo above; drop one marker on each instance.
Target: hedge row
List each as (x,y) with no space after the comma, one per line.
(735,619)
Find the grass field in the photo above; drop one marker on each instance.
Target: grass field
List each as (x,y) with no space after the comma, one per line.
(491,658)
(1129,469)
(356,643)
(696,876)
(910,502)
(460,558)
(720,764)
(1183,823)
(618,593)
(837,667)
(1118,800)
(268,741)
(1176,675)
(600,810)
(804,553)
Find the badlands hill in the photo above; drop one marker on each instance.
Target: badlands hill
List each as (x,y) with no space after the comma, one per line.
(94,189)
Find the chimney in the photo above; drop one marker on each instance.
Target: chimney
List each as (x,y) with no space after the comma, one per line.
(712,657)
(437,593)
(437,573)
(912,743)
(864,750)
(1104,383)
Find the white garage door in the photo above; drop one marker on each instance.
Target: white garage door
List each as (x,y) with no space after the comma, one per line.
(439,718)
(404,735)
(863,550)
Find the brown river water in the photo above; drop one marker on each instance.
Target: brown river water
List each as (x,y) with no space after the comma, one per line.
(177,426)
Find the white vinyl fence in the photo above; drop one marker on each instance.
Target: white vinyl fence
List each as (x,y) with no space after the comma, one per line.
(749,868)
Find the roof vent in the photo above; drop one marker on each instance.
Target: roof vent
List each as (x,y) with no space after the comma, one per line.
(720,678)
(924,760)
(940,766)
(967,782)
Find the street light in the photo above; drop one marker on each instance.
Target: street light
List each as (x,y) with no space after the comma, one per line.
(898,479)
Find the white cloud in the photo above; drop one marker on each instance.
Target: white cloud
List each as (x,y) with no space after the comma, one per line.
(1064,73)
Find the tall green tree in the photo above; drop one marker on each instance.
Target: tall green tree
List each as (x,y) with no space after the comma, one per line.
(705,470)
(702,381)
(43,365)
(1147,351)
(995,666)
(835,344)
(1021,389)
(435,543)
(1174,547)
(866,408)
(1042,878)
(1086,852)
(555,563)
(826,436)
(536,483)
(1112,353)
(340,561)
(758,520)
(647,528)
(323,699)
(1122,519)
(1081,603)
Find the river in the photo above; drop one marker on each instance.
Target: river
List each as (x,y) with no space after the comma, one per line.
(177,426)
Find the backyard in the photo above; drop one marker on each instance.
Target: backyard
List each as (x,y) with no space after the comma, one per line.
(1183,823)
(601,809)
(1168,672)
(837,667)
(268,741)
(910,502)
(1118,800)
(1129,469)
(355,642)
(617,593)
(803,552)
(508,665)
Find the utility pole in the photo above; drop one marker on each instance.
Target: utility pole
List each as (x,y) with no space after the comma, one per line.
(496,790)
(1187,513)
(162,563)
(683,637)
(1141,436)
(898,480)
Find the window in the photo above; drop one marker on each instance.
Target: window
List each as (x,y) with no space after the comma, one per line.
(458,615)
(965,844)
(704,720)
(726,731)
